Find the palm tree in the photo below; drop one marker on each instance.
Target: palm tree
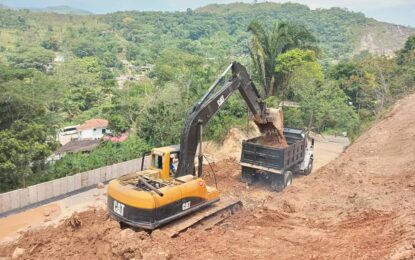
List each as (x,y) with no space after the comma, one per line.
(265,46)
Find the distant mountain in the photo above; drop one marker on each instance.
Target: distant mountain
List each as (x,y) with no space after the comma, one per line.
(62,9)
(243,7)
(59,9)
(338,29)
(220,29)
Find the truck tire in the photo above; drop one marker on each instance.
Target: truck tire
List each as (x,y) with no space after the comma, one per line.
(309,168)
(277,182)
(288,178)
(280,181)
(248,175)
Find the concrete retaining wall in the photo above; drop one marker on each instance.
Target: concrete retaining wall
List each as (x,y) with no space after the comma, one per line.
(17,199)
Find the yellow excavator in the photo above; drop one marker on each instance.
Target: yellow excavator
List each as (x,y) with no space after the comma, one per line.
(172,187)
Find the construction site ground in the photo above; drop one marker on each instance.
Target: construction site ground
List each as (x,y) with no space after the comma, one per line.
(361,205)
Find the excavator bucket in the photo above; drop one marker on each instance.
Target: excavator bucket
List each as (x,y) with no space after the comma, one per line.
(274,125)
(276,117)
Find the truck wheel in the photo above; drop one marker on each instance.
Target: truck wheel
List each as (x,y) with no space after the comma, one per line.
(309,168)
(247,175)
(277,182)
(288,178)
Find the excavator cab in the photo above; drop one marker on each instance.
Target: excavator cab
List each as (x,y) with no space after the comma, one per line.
(165,159)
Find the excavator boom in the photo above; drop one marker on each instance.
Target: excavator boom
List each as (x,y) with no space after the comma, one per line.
(269,121)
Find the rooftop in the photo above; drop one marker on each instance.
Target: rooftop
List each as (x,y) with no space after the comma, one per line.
(93,123)
(75,146)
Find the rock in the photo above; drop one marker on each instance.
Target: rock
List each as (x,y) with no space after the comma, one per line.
(18,252)
(127,233)
(157,254)
(352,196)
(21,231)
(33,249)
(46,213)
(157,234)
(74,221)
(100,185)
(143,235)
(287,207)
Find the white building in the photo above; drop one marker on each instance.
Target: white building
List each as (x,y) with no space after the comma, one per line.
(93,129)
(68,134)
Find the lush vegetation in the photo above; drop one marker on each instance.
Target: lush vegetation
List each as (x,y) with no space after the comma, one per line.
(58,70)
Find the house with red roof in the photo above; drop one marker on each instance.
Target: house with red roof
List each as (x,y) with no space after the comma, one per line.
(92,129)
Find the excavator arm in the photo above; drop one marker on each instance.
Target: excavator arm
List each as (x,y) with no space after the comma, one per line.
(132,199)
(267,120)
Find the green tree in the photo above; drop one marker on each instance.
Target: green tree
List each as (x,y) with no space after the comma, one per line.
(298,69)
(326,107)
(36,58)
(51,44)
(407,53)
(357,82)
(23,150)
(132,101)
(118,124)
(266,45)
(162,124)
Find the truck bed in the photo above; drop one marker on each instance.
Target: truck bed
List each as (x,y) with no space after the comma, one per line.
(261,153)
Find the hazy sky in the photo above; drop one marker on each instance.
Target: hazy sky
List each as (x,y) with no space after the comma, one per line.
(394,11)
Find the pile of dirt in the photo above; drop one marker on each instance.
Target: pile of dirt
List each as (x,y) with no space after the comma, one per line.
(361,206)
(86,235)
(271,140)
(231,146)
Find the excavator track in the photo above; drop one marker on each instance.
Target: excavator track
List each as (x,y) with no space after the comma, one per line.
(204,219)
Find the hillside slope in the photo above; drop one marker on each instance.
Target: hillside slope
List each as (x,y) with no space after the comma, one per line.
(362,33)
(360,206)
(214,31)
(383,38)
(62,9)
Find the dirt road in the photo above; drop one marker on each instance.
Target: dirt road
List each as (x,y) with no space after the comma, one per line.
(360,206)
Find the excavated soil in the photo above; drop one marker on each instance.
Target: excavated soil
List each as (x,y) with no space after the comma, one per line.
(360,206)
(272,140)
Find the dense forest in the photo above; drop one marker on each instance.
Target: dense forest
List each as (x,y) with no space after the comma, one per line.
(58,70)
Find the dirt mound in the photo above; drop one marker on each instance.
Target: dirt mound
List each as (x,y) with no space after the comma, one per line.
(231,146)
(271,140)
(361,206)
(86,235)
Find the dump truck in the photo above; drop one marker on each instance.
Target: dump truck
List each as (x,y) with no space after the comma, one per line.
(265,159)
